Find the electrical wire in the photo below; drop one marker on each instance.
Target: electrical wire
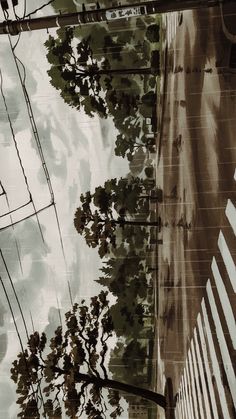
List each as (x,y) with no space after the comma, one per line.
(15,294)
(13,136)
(15,209)
(17,331)
(26,217)
(40,151)
(24,14)
(39,147)
(2,188)
(19,157)
(16,241)
(18,40)
(31,117)
(39,8)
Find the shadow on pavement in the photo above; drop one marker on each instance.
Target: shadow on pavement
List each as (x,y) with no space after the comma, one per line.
(169,394)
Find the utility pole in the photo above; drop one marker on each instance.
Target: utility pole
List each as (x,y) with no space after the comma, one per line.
(14,27)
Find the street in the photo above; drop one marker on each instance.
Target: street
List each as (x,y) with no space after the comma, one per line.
(196,167)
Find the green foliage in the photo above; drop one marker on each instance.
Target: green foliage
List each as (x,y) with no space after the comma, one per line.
(126,279)
(76,73)
(127,316)
(87,74)
(108,208)
(131,359)
(125,275)
(153,33)
(64,5)
(72,370)
(132,135)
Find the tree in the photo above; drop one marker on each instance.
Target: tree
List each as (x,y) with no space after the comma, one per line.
(130,139)
(88,82)
(126,279)
(128,316)
(112,206)
(125,275)
(127,361)
(153,33)
(72,371)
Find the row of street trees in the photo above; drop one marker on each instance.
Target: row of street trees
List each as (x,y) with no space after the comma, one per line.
(70,371)
(107,72)
(110,73)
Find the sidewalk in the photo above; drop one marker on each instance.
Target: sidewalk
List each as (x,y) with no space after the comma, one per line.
(200,105)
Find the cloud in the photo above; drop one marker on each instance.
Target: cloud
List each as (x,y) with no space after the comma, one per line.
(79,155)
(86,175)
(6,396)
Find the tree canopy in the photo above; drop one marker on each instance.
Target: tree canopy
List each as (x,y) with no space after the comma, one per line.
(126,279)
(132,137)
(97,83)
(127,362)
(117,204)
(71,373)
(125,275)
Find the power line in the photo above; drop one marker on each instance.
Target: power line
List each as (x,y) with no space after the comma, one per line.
(29,108)
(18,255)
(13,135)
(39,8)
(40,150)
(23,319)
(15,209)
(26,217)
(17,331)
(16,241)
(24,14)
(31,117)
(68,283)
(18,155)
(17,246)
(17,41)
(20,263)
(15,294)
(3,192)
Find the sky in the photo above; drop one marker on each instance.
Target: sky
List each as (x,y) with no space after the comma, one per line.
(79,155)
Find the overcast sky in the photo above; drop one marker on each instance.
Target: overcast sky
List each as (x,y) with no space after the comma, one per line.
(79,153)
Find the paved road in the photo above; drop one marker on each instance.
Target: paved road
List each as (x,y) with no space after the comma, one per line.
(197,169)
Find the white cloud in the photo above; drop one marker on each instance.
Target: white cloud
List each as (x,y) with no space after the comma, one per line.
(73,147)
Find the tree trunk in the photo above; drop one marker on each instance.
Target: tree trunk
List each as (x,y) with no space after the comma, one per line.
(157,398)
(128,71)
(138,223)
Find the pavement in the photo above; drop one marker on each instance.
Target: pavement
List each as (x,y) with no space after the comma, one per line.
(196,168)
